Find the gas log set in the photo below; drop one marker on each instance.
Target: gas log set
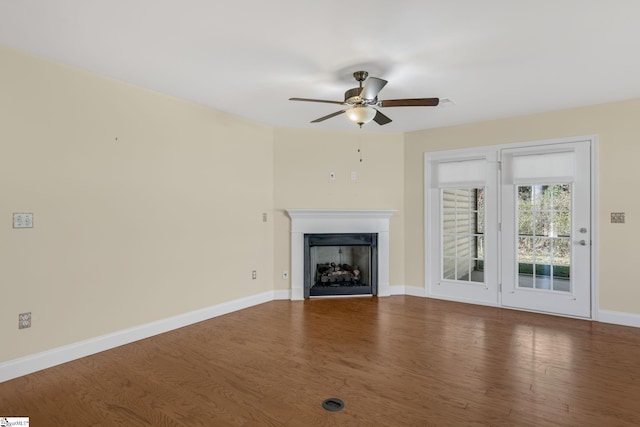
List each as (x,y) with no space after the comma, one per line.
(332,274)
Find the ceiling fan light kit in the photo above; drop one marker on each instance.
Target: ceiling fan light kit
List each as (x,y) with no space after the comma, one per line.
(363,98)
(361,115)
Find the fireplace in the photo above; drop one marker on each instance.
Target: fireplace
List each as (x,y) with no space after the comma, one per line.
(340,264)
(341,223)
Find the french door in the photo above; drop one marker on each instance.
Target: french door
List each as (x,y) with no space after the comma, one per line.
(511,226)
(546,228)
(462,202)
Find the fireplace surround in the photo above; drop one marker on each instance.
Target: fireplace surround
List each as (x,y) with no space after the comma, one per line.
(332,221)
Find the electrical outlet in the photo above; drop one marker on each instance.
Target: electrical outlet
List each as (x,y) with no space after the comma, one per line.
(254,275)
(22,220)
(24,320)
(285,275)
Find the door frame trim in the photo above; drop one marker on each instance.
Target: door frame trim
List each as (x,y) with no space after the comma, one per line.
(474,152)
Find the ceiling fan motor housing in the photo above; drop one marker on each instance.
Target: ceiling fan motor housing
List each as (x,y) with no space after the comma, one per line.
(352,96)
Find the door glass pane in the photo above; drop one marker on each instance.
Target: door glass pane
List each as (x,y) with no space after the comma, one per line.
(542,223)
(562,223)
(479,208)
(477,264)
(462,245)
(463,220)
(525,249)
(448,245)
(480,246)
(462,234)
(463,199)
(462,269)
(562,197)
(542,251)
(448,221)
(561,252)
(525,223)
(542,282)
(544,236)
(541,197)
(449,268)
(525,275)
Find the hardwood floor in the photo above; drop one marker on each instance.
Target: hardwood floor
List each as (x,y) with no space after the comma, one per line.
(396,361)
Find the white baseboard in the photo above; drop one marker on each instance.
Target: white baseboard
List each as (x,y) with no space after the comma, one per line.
(414,291)
(281,294)
(463,300)
(36,362)
(619,318)
(397,289)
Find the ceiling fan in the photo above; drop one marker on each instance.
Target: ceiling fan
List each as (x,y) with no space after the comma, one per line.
(362,100)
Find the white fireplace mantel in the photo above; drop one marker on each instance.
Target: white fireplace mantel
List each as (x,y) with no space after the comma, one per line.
(310,221)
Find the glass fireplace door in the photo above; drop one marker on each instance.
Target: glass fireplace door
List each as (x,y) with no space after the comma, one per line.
(340,264)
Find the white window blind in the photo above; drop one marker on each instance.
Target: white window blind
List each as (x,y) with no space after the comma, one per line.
(461,173)
(557,167)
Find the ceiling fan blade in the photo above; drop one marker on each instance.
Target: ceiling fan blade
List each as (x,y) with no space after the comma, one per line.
(321,119)
(318,100)
(381,119)
(413,102)
(372,86)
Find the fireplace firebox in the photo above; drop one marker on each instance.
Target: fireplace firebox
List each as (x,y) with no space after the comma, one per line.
(340,264)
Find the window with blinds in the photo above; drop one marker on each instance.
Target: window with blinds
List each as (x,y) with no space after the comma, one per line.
(462,232)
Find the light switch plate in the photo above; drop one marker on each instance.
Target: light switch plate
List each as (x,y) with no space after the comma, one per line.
(22,220)
(24,320)
(617,217)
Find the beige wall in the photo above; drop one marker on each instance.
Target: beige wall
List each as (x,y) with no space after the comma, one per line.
(144,206)
(618,130)
(302,162)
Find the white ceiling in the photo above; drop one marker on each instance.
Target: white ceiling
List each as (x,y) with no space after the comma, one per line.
(492,58)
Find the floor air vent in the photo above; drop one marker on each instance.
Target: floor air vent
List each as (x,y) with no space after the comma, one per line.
(333,404)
